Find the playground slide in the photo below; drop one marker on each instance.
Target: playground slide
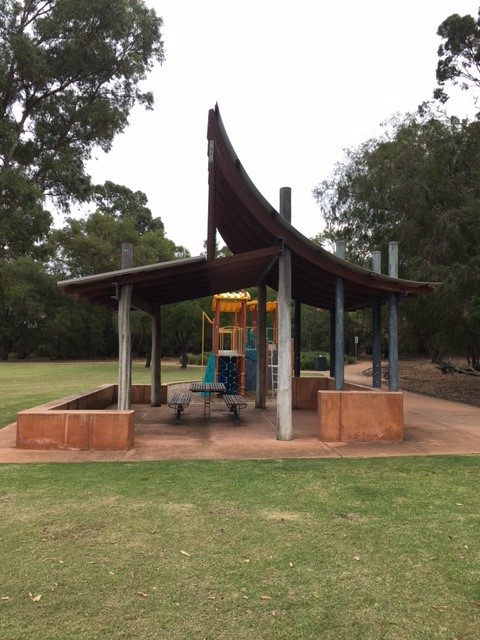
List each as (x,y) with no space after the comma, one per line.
(209,373)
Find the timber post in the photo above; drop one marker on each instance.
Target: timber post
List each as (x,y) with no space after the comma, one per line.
(124,335)
(297,338)
(284,390)
(261,345)
(393,319)
(155,360)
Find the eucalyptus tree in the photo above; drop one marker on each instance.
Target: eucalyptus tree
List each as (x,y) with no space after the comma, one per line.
(70,73)
(419,185)
(459,54)
(92,244)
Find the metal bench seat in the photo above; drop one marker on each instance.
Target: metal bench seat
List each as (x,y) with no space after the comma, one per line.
(178,402)
(234,403)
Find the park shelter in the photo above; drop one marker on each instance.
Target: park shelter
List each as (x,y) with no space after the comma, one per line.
(266,251)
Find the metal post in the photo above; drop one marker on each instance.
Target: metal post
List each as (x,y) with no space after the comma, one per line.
(339,323)
(211,224)
(284,391)
(393,320)
(297,338)
(376,327)
(124,335)
(332,343)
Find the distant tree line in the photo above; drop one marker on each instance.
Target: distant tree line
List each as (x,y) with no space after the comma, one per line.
(70,73)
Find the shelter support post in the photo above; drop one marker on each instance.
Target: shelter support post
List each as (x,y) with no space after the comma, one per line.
(297,338)
(284,391)
(155,360)
(376,327)
(124,335)
(261,364)
(332,343)
(339,323)
(376,343)
(393,342)
(393,319)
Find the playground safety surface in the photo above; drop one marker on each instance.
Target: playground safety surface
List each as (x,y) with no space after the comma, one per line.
(432,427)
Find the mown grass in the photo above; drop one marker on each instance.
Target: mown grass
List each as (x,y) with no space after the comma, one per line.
(26,384)
(331,549)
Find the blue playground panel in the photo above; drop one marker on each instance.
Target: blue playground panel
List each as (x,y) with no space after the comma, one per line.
(228,373)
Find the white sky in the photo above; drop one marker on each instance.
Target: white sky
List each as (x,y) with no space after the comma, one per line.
(296,82)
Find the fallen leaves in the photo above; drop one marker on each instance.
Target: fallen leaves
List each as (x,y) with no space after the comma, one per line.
(36,598)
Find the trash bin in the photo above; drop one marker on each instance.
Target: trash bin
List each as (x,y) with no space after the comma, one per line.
(320,363)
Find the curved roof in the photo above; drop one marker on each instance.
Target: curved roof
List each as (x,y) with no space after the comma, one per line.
(256,234)
(246,222)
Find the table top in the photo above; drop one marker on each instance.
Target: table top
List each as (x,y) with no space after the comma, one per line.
(214,387)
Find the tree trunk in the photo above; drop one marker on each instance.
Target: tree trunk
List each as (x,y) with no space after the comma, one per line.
(4,352)
(184,359)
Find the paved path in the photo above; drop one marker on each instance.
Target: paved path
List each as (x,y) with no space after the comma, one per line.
(432,427)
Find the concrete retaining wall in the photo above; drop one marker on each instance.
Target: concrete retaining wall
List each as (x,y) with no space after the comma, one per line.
(356,414)
(82,421)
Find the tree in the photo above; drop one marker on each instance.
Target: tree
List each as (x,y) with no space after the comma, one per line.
(315,329)
(25,293)
(93,244)
(120,202)
(459,54)
(419,185)
(182,323)
(69,77)
(36,319)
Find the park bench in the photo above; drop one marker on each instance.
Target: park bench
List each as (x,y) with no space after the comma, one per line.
(178,402)
(234,404)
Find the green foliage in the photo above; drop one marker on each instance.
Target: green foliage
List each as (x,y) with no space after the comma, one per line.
(419,185)
(37,320)
(307,360)
(181,329)
(315,329)
(69,76)
(459,54)
(93,244)
(26,291)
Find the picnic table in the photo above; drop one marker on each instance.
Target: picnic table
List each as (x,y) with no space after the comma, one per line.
(207,389)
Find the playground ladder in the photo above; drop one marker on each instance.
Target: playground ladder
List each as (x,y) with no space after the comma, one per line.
(273,369)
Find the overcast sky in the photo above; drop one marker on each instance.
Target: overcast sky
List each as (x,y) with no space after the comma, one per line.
(296,82)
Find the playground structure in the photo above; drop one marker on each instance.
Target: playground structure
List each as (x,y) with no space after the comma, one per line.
(233,357)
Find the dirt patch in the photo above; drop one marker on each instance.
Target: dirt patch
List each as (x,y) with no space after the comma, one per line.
(423,376)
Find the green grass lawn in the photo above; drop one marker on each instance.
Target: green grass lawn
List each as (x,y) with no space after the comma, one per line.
(26,384)
(323,549)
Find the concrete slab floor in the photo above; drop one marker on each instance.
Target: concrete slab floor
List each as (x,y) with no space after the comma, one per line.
(432,427)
